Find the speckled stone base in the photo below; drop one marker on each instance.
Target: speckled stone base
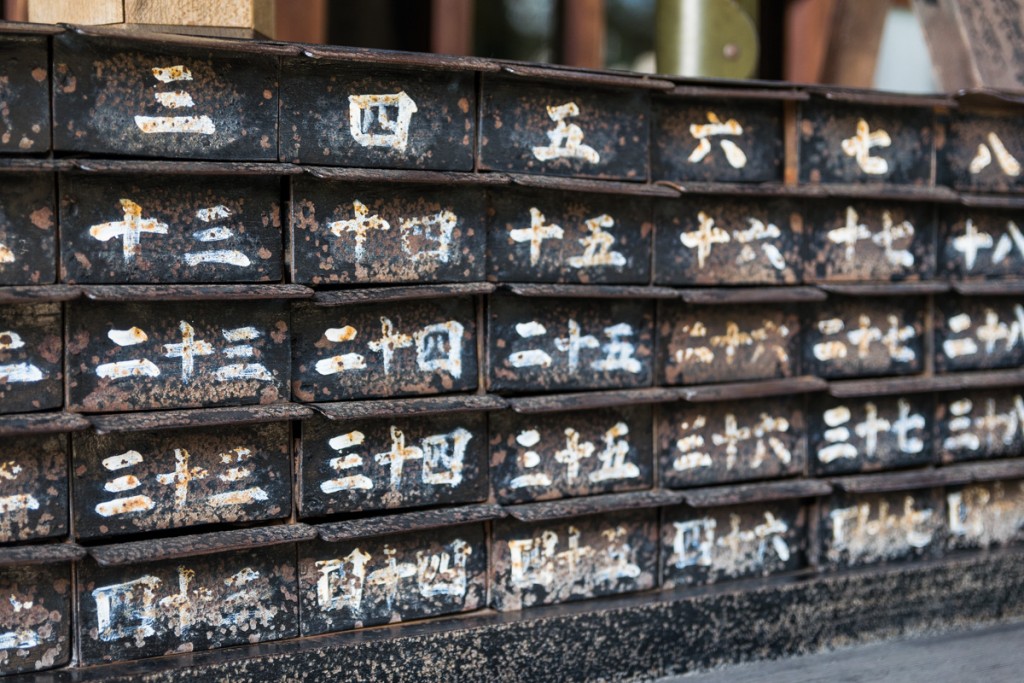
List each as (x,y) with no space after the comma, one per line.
(636,638)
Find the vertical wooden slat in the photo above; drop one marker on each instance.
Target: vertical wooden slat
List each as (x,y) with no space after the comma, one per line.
(451,27)
(583,33)
(301,21)
(808,29)
(856,35)
(16,10)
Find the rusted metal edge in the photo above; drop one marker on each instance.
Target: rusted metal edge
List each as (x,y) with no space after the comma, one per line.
(724,296)
(988,471)
(20,165)
(938,194)
(165,167)
(884,288)
(385,175)
(708,92)
(589,505)
(887,482)
(880,98)
(409,521)
(586,400)
(590,291)
(590,79)
(50,553)
(761,492)
(373,295)
(994,201)
(202,417)
(957,381)
(134,552)
(403,407)
(394,58)
(39,294)
(541,182)
(989,287)
(710,393)
(132,35)
(989,97)
(156,293)
(29,424)
(25,28)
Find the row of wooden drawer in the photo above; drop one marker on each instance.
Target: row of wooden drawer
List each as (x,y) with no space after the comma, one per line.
(134,473)
(187,594)
(127,348)
(200,99)
(159,222)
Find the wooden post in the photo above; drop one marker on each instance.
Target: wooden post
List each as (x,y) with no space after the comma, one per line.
(854,39)
(583,33)
(224,17)
(451,27)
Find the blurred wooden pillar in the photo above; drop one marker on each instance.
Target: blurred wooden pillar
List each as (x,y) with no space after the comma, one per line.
(451,27)
(16,10)
(834,41)
(582,24)
(301,21)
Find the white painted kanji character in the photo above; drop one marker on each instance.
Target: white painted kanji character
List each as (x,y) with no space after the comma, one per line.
(983,157)
(187,350)
(693,543)
(381,120)
(574,342)
(860,145)
(1007,241)
(996,331)
(532,559)
(443,457)
(566,138)
(692,453)
(530,357)
(439,347)
(182,476)
(342,362)
(444,573)
(396,457)
(346,461)
(613,456)
(716,127)
(905,425)
(237,470)
(177,99)
(850,233)
(17,502)
(967,432)
(130,230)
(535,235)
(971,242)
(121,484)
(360,225)
(618,555)
(390,576)
(618,353)
(704,237)
(136,367)
(597,245)
(889,235)
(6,254)
(24,372)
(390,341)
(528,460)
(759,231)
(435,228)
(127,610)
(573,453)
(837,435)
(342,581)
(245,370)
(218,233)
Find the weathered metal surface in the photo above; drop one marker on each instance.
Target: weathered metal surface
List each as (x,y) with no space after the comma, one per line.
(420,520)
(407,407)
(186,605)
(975,333)
(33,487)
(982,150)
(37,554)
(860,336)
(366,114)
(571,453)
(38,294)
(177,547)
(988,287)
(562,129)
(760,492)
(383,464)
(718,544)
(163,99)
(985,515)
(200,417)
(387,579)
(906,480)
(880,241)
(31,347)
(870,528)
(29,424)
(219,293)
(720,241)
(565,508)
(386,349)
(979,424)
(716,443)
(555,403)
(133,482)
(136,356)
(168,228)
(735,391)
(864,435)
(566,560)
(591,291)
(28,226)
(370,295)
(24,94)
(35,618)
(716,140)
(558,236)
(865,143)
(702,344)
(380,232)
(728,296)
(980,243)
(566,344)
(993,379)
